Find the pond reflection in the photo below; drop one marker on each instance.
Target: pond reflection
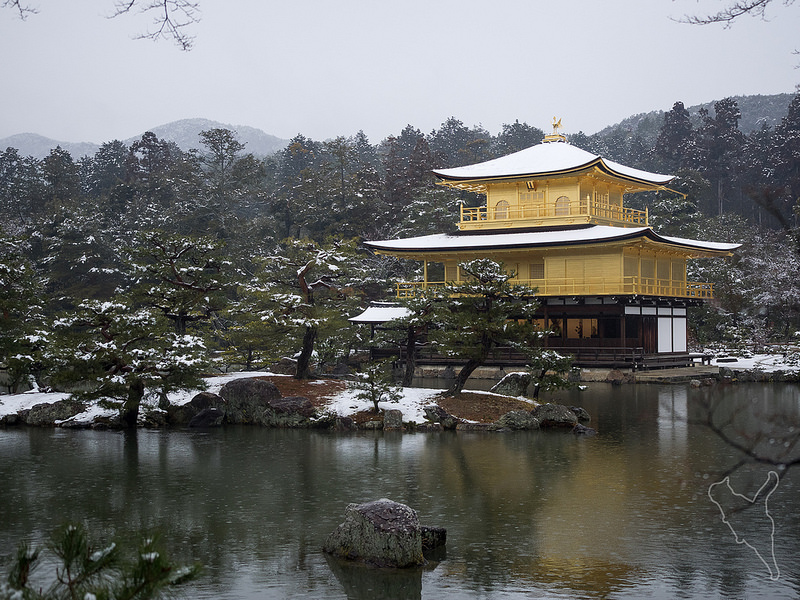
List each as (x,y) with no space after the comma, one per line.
(625,514)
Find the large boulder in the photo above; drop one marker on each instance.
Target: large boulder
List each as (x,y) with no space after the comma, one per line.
(555,415)
(184,413)
(517,420)
(392,419)
(582,414)
(46,414)
(208,417)
(247,400)
(382,533)
(617,377)
(292,411)
(436,414)
(513,384)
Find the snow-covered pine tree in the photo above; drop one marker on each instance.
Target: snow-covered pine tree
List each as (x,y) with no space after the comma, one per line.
(22,321)
(304,290)
(482,312)
(119,354)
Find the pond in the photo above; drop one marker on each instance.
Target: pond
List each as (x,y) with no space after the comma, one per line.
(624,514)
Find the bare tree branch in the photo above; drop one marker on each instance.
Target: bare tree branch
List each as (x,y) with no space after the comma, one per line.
(23,9)
(735,10)
(173,16)
(774,441)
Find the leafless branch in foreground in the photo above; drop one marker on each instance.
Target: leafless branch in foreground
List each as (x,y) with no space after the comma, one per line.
(23,9)
(173,16)
(735,10)
(171,20)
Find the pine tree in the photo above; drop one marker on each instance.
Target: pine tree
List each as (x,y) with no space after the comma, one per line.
(122,354)
(303,290)
(22,322)
(481,313)
(374,383)
(85,571)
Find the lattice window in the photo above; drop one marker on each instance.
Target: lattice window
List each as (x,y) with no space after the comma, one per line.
(536,270)
(501,210)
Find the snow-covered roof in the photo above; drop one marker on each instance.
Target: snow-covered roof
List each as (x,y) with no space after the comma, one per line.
(381,312)
(566,236)
(547,159)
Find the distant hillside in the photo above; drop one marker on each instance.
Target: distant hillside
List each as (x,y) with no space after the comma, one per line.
(38,146)
(756,111)
(185,133)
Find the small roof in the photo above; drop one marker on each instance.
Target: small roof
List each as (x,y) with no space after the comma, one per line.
(548,159)
(381,312)
(539,238)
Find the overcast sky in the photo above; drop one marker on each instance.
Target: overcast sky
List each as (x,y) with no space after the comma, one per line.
(325,68)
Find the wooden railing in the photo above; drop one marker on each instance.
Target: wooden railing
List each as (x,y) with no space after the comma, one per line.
(600,210)
(582,356)
(590,286)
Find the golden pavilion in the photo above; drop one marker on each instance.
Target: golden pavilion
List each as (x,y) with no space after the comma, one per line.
(612,290)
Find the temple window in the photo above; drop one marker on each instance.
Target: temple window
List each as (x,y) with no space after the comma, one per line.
(536,270)
(562,206)
(451,272)
(530,203)
(501,210)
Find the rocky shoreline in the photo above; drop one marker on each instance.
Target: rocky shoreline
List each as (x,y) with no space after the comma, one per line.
(255,401)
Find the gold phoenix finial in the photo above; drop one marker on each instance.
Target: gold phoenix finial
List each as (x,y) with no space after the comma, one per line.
(555,136)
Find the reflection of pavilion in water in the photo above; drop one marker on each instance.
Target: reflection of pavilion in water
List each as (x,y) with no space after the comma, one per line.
(673,420)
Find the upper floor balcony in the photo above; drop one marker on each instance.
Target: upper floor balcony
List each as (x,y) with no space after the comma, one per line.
(563,211)
(590,286)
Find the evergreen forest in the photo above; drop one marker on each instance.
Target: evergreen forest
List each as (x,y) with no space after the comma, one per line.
(143,266)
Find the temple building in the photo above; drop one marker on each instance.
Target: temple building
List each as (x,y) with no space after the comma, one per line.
(612,290)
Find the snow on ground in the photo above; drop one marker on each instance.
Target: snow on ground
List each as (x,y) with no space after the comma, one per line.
(215,385)
(13,403)
(344,403)
(411,403)
(766,363)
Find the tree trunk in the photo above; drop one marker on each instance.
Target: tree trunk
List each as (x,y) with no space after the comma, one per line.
(304,360)
(538,385)
(463,375)
(130,409)
(411,357)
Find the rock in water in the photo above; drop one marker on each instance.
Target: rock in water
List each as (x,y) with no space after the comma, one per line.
(381,533)
(517,420)
(555,415)
(436,414)
(208,417)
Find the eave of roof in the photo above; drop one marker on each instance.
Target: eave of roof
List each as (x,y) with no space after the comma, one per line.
(556,237)
(381,313)
(547,160)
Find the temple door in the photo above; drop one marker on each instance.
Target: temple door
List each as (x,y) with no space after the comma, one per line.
(650,334)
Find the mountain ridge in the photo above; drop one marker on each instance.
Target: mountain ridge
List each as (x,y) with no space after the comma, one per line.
(183,132)
(757,110)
